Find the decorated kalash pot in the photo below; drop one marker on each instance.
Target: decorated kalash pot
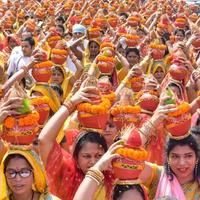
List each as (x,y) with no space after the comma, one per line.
(137,82)
(106,62)
(96,114)
(178,122)
(106,89)
(59,56)
(131,163)
(125,112)
(41,104)
(41,72)
(54,38)
(158,50)
(148,100)
(94,32)
(132,40)
(21,129)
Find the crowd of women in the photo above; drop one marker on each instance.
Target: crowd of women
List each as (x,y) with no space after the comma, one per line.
(99,99)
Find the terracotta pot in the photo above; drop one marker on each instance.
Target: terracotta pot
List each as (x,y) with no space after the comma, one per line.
(132,23)
(20,135)
(179,126)
(137,85)
(94,34)
(100,22)
(58,59)
(196,43)
(87,21)
(158,54)
(41,74)
(180,25)
(113,21)
(97,121)
(131,42)
(149,102)
(43,111)
(105,67)
(123,120)
(127,169)
(178,72)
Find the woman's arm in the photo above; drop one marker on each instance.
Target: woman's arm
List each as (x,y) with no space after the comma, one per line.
(49,133)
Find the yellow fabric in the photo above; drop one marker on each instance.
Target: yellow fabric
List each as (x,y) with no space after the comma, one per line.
(122,74)
(154,65)
(46,90)
(100,193)
(33,159)
(191,190)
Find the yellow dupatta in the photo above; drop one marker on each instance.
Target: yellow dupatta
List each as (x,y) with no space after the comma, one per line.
(54,102)
(39,176)
(86,56)
(191,190)
(154,65)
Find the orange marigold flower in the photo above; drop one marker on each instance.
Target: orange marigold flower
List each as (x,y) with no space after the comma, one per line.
(44,64)
(9,122)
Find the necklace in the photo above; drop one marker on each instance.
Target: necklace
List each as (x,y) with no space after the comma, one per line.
(12,198)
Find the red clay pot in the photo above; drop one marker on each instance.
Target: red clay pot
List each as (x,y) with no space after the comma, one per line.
(41,74)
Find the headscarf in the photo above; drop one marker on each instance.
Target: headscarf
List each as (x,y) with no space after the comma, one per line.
(154,65)
(34,161)
(66,78)
(46,90)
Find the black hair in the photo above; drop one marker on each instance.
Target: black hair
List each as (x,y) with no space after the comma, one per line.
(56,68)
(30,40)
(57,88)
(14,156)
(60,18)
(179,30)
(123,14)
(120,189)
(135,50)
(62,27)
(188,141)
(93,137)
(90,42)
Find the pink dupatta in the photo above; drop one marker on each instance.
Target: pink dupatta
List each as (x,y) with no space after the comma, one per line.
(169,188)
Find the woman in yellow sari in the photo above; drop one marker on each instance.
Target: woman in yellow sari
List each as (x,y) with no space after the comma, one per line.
(22,177)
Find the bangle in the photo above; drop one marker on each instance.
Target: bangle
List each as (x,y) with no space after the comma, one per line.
(69,105)
(25,68)
(95,174)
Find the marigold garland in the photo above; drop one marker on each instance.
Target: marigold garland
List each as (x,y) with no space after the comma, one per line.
(111,96)
(157,46)
(54,38)
(198,93)
(134,18)
(59,52)
(101,108)
(40,100)
(180,20)
(132,37)
(181,109)
(134,154)
(152,92)
(125,110)
(106,44)
(28,120)
(136,79)
(105,59)
(44,64)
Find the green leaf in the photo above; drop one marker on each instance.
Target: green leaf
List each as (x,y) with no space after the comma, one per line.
(25,107)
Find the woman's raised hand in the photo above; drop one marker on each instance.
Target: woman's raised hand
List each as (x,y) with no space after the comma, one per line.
(104,163)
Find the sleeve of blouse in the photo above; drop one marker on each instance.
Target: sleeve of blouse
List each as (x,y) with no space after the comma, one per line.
(58,161)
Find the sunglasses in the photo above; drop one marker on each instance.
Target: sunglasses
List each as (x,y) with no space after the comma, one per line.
(23,173)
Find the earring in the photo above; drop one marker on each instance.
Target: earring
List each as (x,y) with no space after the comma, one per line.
(196,168)
(168,169)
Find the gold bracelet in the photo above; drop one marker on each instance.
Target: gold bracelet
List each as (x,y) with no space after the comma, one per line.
(93,178)
(95,173)
(69,105)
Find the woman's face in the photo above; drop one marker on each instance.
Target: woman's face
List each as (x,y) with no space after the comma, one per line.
(57,77)
(12,43)
(94,49)
(19,185)
(110,132)
(179,36)
(182,160)
(128,195)
(132,58)
(88,155)
(159,74)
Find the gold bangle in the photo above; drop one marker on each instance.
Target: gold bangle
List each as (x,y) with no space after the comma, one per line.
(95,173)
(69,105)
(93,178)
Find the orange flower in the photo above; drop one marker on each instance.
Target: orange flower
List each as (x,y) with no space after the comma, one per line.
(134,18)
(107,44)
(9,122)
(44,64)
(40,100)
(157,46)
(181,20)
(105,59)
(59,52)
(134,154)
(132,37)
(101,108)
(125,110)
(137,79)
(181,109)
(53,38)
(29,120)
(111,96)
